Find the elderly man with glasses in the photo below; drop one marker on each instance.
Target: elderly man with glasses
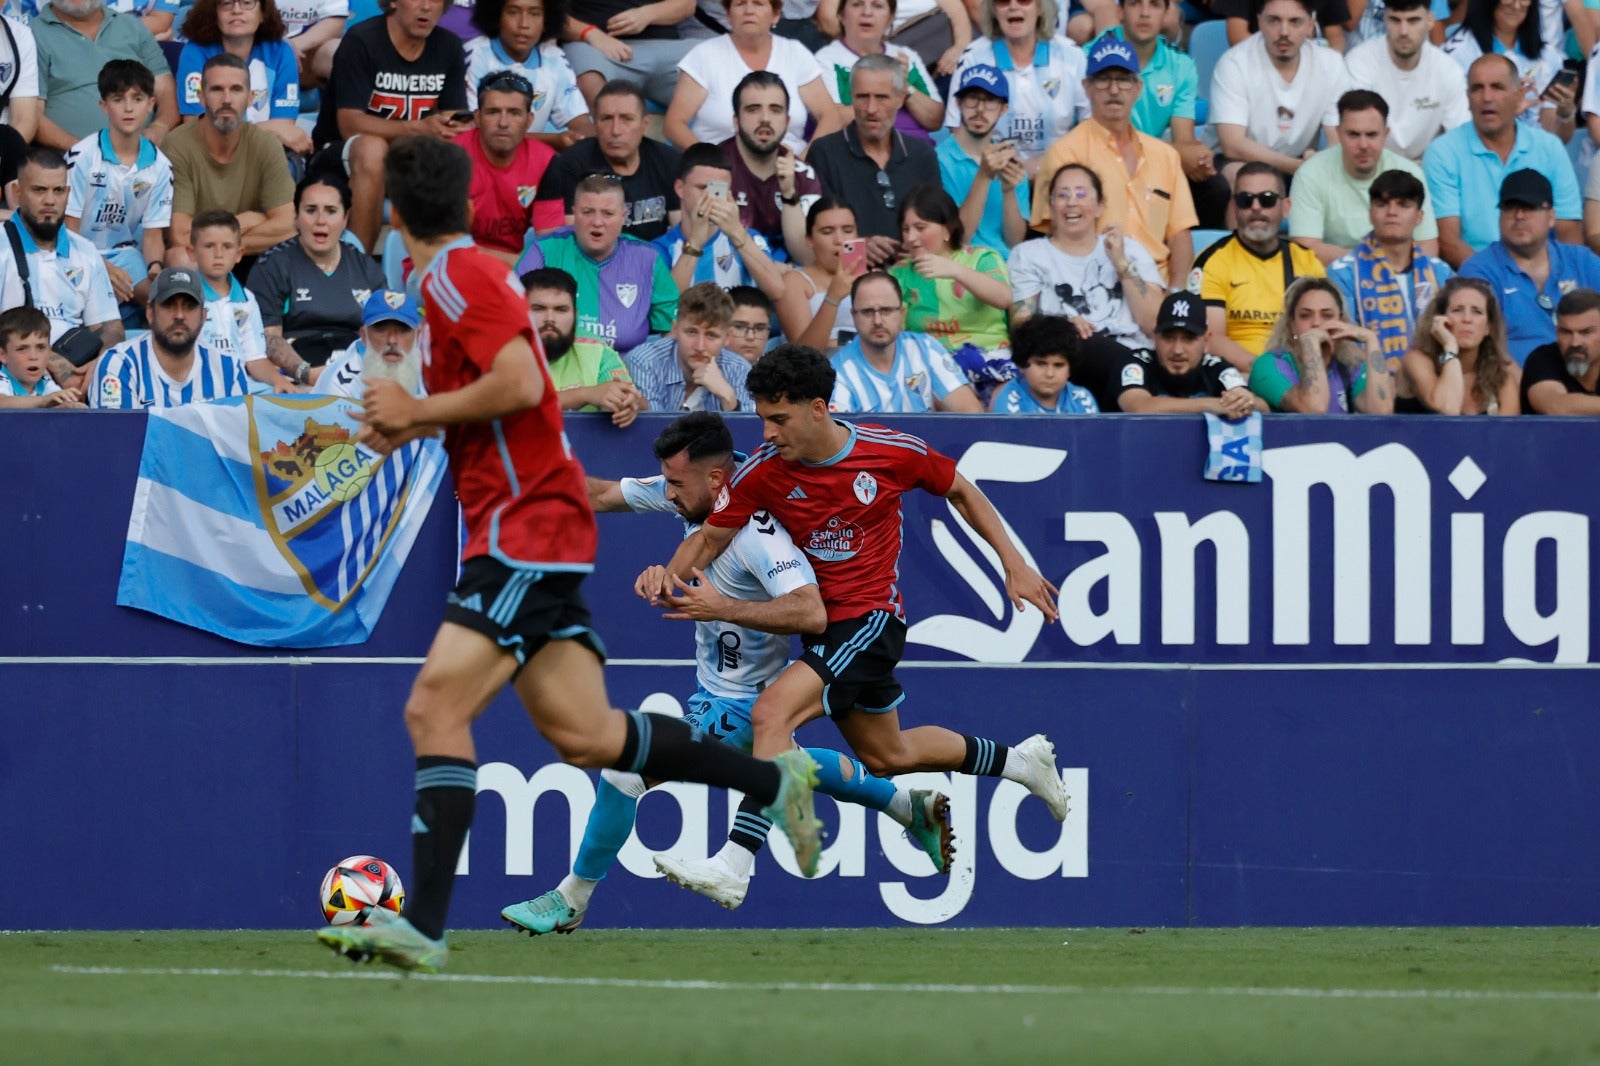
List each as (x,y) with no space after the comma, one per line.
(508,167)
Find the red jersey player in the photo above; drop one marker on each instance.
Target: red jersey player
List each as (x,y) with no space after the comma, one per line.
(515,616)
(836,487)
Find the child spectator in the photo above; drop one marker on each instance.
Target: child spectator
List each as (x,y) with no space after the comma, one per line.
(1043,348)
(522,36)
(120,187)
(233,317)
(24,350)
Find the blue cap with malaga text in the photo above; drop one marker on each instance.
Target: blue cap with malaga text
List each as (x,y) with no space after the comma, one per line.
(985,77)
(1112,53)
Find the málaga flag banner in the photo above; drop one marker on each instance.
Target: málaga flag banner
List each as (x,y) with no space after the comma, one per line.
(261,519)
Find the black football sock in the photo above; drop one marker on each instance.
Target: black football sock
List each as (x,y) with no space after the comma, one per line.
(750,826)
(984,758)
(447,791)
(661,748)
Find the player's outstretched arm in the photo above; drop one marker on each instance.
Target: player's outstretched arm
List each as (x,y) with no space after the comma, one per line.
(800,611)
(605,496)
(696,552)
(1023,582)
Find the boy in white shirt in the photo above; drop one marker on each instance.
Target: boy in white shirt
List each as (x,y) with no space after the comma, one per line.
(24,352)
(233,317)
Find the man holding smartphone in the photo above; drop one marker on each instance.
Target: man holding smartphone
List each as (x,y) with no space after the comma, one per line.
(710,243)
(982,174)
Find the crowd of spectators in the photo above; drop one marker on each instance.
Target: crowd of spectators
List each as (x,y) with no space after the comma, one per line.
(998,205)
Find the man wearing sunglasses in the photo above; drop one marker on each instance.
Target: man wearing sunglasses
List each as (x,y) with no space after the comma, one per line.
(1529,269)
(507,168)
(1242,279)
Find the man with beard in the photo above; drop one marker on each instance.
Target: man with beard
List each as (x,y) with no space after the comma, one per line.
(1426,90)
(644,167)
(772,188)
(386,350)
(75,39)
(589,375)
(66,277)
(1563,378)
(1242,279)
(1331,200)
(985,177)
(507,168)
(1528,267)
(1180,377)
(223,163)
(168,368)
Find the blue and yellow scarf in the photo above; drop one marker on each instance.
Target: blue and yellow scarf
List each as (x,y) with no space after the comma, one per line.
(1382,303)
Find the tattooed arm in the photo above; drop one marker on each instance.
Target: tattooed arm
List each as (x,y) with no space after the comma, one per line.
(1310,395)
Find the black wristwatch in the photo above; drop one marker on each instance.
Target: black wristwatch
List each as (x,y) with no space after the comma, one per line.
(790,201)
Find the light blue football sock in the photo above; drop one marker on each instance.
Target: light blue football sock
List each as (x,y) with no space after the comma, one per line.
(861,787)
(610,822)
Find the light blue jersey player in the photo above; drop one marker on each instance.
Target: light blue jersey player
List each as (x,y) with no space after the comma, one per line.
(757,593)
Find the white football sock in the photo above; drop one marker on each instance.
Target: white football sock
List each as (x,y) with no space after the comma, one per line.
(576,891)
(736,859)
(900,807)
(1016,766)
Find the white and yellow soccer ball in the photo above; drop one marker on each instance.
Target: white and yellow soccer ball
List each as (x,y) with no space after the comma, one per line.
(357,888)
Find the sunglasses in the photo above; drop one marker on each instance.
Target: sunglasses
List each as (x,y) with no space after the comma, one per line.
(505,80)
(1265,199)
(887,190)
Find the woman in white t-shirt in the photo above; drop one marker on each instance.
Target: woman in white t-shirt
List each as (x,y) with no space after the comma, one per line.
(866,22)
(702,104)
(1044,74)
(815,307)
(1512,28)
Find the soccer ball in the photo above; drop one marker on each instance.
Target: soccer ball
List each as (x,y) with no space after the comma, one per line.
(357,887)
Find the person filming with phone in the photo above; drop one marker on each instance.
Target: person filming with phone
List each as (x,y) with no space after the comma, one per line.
(815,309)
(709,243)
(981,171)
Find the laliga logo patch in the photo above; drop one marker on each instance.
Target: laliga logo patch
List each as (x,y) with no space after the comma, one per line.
(191,87)
(722,499)
(866,488)
(1132,375)
(111,393)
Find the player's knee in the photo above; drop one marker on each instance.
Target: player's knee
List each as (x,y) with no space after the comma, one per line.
(582,748)
(367,156)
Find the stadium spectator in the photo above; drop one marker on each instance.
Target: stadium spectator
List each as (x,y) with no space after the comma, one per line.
(507,168)
(1043,72)
(646,166)
(66,276)
(1563,377)
(75,39)
(158,16)
(1527,267)
(955,293)
(312,287)
(1243,279)
(1464,167)
(890,369)
(985,177)
(396,75)
(865,25)
(521,36)
(1425,90)
(25,379)
(1317,362)
(625,291)
(710,243)
(386,348)
(1388,280)
(19,79)
(870,166)
(168,367)
(1511,28)
(773,187)
(1246,18)
(930,28)
(702,104)
(253,31)
(120,188)
(1331,208)
(232,324)
(1044,349)
(691,369)
(1106,284)
(1274,93)
(750,328)
(1460,364)
(1146,191)
(815,309)
(1179,376)
(313,29)
(224,163)
(614,40)
(589,375)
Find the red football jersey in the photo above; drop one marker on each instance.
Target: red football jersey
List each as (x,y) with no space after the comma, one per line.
(521,491)
(845,513)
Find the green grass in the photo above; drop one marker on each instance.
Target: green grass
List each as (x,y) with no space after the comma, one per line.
(1110,995)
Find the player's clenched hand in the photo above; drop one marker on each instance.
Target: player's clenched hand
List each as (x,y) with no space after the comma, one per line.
(1027,585)
(652,584)
(694,603)
(388,408)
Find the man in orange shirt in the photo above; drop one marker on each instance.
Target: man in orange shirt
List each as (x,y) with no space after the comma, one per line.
(1146,192)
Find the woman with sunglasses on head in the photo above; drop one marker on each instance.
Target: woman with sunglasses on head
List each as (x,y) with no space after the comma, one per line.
(815,307)
(1461,364)
(1106,284)
(1512,28)
(1044,74)
(520,37)
(866,25)
(253,31)
(1318,362)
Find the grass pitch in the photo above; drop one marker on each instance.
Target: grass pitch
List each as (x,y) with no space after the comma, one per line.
(912,996)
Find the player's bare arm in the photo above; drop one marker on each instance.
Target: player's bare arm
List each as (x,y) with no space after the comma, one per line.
(696,552)
(392,415)
(800,611)
(605,497)
(1024,584)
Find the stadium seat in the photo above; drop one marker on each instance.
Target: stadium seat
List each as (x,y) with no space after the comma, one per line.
(352,239)
(1205,238)
(394,261)
(1206,45)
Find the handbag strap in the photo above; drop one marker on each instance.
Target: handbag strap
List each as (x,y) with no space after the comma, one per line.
(22,260)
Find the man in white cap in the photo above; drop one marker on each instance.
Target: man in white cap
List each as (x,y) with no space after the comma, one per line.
(987,178)
(386,349)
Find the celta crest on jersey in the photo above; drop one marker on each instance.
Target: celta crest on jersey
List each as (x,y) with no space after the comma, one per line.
(866,488)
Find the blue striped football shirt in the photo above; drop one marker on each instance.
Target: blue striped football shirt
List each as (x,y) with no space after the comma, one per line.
(130,377)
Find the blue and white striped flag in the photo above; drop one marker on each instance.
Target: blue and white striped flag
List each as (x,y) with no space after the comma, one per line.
(260,519)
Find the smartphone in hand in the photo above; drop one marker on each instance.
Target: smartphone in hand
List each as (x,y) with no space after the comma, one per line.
(717,189)
(853,257)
